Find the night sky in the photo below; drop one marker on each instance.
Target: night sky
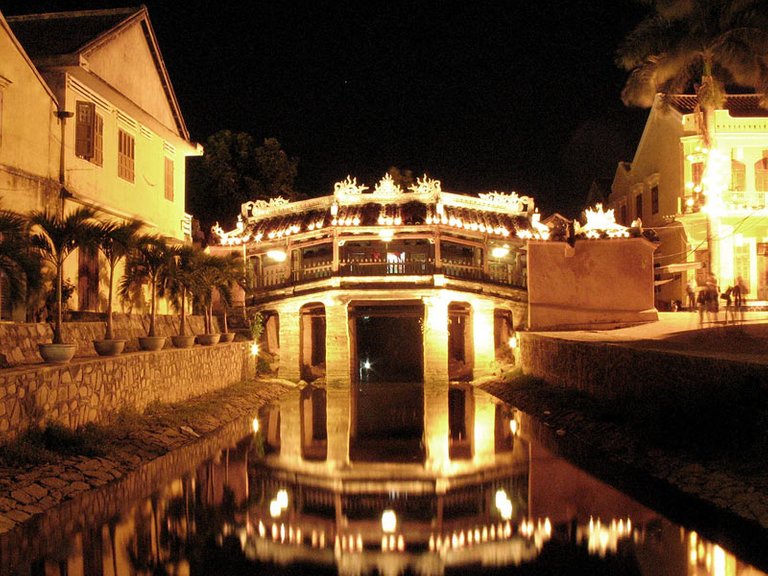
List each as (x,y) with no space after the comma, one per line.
(483,96)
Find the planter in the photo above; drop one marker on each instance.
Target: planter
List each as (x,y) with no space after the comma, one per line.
(57,353)
(208,339)
(227,337)
(109,347)
(183,341)
(151,343)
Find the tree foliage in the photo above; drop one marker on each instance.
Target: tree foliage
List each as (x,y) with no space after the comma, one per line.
(234,170)
(701,46)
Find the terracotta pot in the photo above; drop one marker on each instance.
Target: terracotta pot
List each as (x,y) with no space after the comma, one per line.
(57,353)
(109,347)
(152,343)
(183,341)
(208,339)
(227,337)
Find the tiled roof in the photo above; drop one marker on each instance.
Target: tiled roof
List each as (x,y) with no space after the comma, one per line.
(369,215)
(65,32)
(739,105)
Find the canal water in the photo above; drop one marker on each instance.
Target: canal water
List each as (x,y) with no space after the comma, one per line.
(280,496)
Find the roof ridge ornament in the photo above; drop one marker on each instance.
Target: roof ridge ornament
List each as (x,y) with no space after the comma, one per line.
(348,188)
(255,208)
(387,187)
(426,186)
(509,200)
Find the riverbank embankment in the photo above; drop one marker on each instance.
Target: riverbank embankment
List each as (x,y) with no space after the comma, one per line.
(148,451)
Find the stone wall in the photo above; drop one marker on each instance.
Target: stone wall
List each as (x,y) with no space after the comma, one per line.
(594,283)
(18,342)
(623,374)
(90,390)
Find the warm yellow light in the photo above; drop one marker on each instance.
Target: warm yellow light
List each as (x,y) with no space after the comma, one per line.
(254,349)
(386,235)
(689,202)
(513,342)
(388,521)
(503,504)
(275,509)
(514,427)
(277,255)
(255,425)
(282,498)
(500,251)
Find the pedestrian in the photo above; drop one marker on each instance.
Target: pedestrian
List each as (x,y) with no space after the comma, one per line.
(702,305)
(712,300)
(691,292)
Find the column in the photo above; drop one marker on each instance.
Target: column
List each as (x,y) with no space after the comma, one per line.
(290,329)
(484,433)
(337,377)
(436,381)
(483,335)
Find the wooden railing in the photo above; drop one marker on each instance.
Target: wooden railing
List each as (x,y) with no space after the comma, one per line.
(498,272)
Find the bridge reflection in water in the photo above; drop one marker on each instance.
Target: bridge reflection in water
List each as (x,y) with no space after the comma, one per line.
(280,502)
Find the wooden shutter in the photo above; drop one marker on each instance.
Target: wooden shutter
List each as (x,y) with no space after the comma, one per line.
(85,130)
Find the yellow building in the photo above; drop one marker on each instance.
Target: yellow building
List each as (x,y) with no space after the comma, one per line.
(706,200)
(29,134)
(124,139)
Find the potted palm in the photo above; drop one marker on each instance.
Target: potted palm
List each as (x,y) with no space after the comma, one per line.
(207,270)
(55,238)
(230,275)
(115,240)
(146,264)
(179,277)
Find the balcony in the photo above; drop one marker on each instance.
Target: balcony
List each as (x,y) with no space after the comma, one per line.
(501,273)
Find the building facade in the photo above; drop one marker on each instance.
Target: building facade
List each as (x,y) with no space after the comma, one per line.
(118,141)
(701,183)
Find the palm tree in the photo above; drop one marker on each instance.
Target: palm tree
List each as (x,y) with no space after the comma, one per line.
(177,283)
(207,273)
(55,238)
(701,45)
(116,240)
(19,267)
(146,264)
(231,274)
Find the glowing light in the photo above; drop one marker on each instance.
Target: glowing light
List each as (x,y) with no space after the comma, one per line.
(388,521)
(255,425)
(513,342)
(367,364)
(282,498)
(275,509)
(503,504)
(599,221)
(386,235)
(500,251)
(277,255)
(254,349)
(514,427)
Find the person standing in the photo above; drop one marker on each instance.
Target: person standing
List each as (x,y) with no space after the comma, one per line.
(691,292)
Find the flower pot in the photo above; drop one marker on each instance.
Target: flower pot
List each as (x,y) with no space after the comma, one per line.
(57,353)
(109,347)
(227,337)
(183,341)
(151,343)
(208,339)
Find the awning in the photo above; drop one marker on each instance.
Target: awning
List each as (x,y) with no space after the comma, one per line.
(678,267)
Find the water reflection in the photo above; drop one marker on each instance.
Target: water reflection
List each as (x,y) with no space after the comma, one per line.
(285,500)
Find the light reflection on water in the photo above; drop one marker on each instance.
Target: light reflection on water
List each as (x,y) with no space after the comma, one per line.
(282,501)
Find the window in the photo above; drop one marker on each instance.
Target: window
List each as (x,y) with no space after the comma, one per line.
(169,179)
(655,200)
(639,206)
(761,174)
(125,156)
(98,141)
(738,176)
(85,129)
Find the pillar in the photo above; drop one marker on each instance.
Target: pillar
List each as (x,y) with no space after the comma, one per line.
(484,433)
(337,378)
(482,329)
(290,330)
(436,381)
